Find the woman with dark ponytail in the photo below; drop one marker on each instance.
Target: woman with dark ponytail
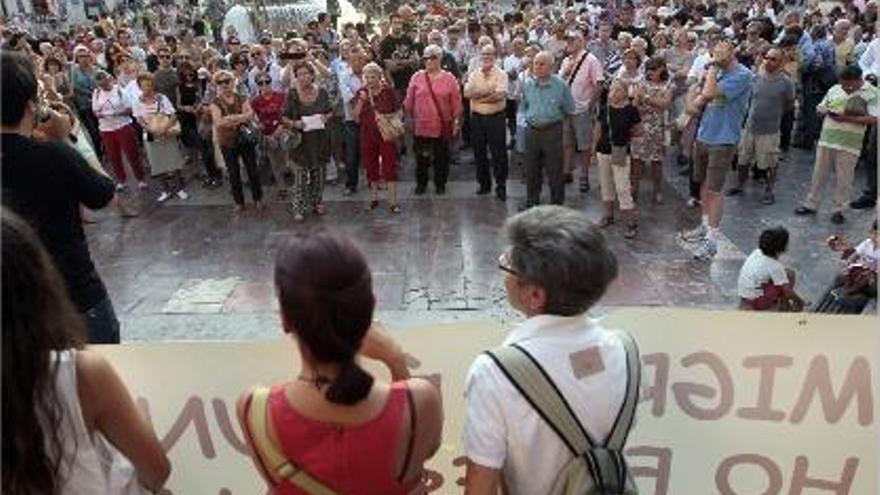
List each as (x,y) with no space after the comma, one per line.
(340,428)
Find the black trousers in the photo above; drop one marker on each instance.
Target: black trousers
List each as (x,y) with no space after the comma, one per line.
(510,114)
(544,155)
(431,151)
(102,324)
(785,128)
(249,156)
(488,135)
(352,153)
(868,160)
(211,169)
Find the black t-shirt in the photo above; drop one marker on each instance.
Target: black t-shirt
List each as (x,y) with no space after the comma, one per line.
(45,183)
(152,61)
(621,121)
(198,27)
(402,48)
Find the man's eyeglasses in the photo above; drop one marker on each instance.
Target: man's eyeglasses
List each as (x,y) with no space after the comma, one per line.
(263,83)
(504,264)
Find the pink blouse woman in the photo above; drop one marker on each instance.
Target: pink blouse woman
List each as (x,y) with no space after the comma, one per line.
(433,101)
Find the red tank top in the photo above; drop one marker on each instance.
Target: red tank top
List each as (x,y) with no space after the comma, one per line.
(352,460)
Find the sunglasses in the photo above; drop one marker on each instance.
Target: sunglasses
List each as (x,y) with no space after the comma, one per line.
(263,83)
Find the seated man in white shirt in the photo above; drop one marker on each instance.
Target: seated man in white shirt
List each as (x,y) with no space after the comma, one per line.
(557,267)
(764,282)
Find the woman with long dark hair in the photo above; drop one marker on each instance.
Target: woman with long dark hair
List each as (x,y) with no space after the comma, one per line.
(344,429)
(59,400)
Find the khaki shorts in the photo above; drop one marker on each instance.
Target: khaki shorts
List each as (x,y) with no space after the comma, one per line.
(763,149)
(711,163)
(578,131)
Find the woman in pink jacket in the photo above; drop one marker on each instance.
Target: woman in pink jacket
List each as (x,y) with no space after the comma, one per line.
(433,102)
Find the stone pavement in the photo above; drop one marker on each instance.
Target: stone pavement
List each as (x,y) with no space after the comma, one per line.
(194,270)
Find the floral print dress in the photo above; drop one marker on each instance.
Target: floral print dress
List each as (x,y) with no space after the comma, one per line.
(651,145)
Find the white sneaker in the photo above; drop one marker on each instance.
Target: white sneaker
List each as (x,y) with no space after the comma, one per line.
(121,187)
(182,194)
(142,185)
(706,250)
(163,197)
(695,235)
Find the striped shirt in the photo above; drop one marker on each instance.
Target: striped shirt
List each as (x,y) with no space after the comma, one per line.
(845,136)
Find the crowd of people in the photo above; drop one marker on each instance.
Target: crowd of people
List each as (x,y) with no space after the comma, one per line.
(712,88)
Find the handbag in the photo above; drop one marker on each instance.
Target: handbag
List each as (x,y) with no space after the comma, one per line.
(618,153)
(246,136)
(268,455)
(447,132)
(390,124)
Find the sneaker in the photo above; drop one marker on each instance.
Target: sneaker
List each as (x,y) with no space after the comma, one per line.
(768,198)
(348,191)
(182,194)
(142,185)
(631,231)
(837,218)
(734,191)
(484,190)
(121,187)
(694,235)
(864,202)
(163,197)
(420,190)
(803,210)
(706,250)
(693,203)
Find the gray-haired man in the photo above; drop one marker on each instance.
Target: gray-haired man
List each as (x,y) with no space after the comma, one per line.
(557,267)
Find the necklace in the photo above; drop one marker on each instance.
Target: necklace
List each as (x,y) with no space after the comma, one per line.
(318,381)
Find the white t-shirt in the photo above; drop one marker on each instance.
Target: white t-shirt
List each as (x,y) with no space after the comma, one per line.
(869,254)
(502,431)
(512,63)
(757,271)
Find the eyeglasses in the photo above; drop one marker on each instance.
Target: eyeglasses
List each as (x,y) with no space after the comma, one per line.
(505,266)
(224,82)
(263,83)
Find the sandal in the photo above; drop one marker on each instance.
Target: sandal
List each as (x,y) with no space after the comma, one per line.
(606,221)
(372,205)
(395,209)
(319,210)
(631,231)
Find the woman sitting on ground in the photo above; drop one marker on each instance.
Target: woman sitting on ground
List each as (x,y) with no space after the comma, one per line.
(344,429)
(60,401)
(765,283)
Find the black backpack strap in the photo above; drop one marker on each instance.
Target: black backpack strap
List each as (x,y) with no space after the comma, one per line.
(626,415)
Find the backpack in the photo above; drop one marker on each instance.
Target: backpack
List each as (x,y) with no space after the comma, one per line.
(593,469)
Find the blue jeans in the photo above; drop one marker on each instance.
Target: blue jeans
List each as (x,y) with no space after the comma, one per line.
(101,322)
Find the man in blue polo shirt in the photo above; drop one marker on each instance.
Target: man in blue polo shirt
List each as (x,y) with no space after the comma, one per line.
(725,98)
(546,101)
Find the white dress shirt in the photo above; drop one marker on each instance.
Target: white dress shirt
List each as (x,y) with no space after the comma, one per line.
(503,431)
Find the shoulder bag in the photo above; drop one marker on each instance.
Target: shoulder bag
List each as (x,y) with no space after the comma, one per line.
(447,130)
(594,469)
(268,455)
(390,124)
